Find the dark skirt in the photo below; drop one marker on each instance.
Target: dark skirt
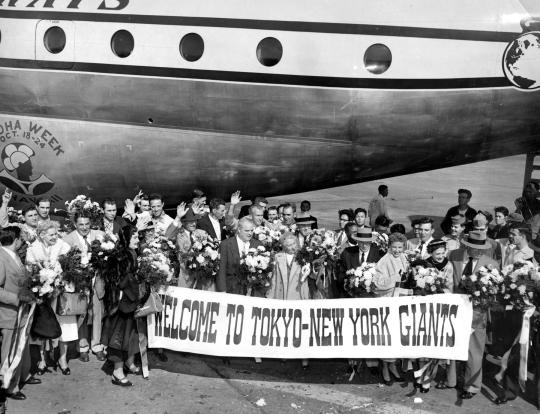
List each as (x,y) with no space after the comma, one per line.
(120,336)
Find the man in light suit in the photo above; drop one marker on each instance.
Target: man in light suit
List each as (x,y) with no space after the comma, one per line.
(81,238)
(13,296)
(466,261)
(425,236)
(229,279)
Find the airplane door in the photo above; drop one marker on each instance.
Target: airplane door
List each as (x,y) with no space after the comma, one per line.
(55,44)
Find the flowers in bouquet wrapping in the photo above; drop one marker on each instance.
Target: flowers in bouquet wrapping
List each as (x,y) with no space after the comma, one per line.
(270,238)
(519,285)
(381,240)
(77,271)
(483,286)
(256,269)
(199,235)
(358,281)
(15,216)
(202,259)
(413,255)
(427,280)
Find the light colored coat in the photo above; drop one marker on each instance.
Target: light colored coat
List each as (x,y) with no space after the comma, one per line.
(12,275)
(286,281)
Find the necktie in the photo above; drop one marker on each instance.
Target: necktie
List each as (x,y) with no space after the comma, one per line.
(468,267)
(420,247)
(362,258)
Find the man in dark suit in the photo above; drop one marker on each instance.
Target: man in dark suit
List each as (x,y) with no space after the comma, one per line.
(466,261)
(463,208)
(214,222)
(13,296)
(111,223)
(352,257)
(229,279)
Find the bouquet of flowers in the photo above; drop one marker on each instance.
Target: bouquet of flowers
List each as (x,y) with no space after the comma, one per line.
(482,286)
(202,259)
(381,240)
(77,271)
(268,237)
(427,280)
(15,216)
(319,248)
(358,281)
(83,203)
(45,279)
(256,267)
(413,255)
(518,288)
(157,242)
(103,254)
(154,268)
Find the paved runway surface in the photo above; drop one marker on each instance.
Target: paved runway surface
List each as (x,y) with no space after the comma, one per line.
(199,384)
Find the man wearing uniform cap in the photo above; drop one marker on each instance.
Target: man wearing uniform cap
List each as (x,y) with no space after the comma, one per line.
(456,232)
(466,261)
(463,208)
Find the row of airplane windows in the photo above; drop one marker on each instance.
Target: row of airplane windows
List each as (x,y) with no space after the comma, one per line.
(377,58)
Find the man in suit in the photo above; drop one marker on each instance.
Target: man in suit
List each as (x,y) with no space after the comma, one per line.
(425,236)
(81,238)
(111,223)
(229,279)
(213,223)
(466,261)
(13,296)
(463,208)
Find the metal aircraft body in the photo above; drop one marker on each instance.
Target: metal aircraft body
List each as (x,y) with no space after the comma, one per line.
(105,97)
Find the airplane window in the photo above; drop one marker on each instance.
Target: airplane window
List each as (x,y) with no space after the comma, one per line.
(269,51)
(191,47)
(54,39)
(122,43)
(377,58)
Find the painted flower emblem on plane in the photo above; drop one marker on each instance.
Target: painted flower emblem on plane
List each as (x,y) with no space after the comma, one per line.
(520,62)
(17,175)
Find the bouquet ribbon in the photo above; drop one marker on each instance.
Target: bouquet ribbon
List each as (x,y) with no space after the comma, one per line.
(523,339)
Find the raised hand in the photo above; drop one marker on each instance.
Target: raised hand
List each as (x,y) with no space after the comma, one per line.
(142,221)
(6,197)
(129,206)
(181,210)
(137,198)
(198,208)
(235,198)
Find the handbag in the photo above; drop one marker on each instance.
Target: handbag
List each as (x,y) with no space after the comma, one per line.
(45,325)
(152,305)
(71,304)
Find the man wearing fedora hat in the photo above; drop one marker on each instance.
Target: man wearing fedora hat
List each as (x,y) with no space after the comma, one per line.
(466,261)
(480,223)
(365,252)
(453,239)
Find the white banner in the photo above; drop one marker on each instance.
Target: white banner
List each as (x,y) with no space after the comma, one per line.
(221,324)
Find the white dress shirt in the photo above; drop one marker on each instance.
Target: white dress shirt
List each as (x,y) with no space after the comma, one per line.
(216,225)
(243,247)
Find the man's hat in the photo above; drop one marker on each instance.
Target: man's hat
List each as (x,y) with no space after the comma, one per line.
(480,220)
(515,218)
(363,235)
(458,219)
(304,220)
(189,217)
(477,239)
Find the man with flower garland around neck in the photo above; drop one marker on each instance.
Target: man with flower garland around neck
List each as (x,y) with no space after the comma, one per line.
(467,261)
(81,238)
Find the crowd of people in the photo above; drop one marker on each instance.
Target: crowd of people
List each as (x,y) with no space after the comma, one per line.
(101,316)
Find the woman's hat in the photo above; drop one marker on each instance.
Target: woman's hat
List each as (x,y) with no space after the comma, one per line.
(435,244)
(363,235)
(477,240)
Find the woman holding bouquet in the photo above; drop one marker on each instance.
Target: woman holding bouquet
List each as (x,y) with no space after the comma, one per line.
(288,280)
(389,272)
(123,296)
(44,252)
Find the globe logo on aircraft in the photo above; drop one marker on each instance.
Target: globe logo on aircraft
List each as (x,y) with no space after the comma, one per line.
(521,62)
(18,171)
